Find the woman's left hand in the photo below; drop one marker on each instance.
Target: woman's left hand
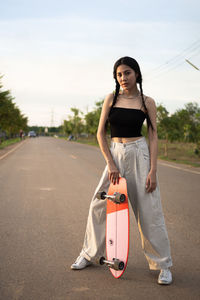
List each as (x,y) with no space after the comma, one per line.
(151,182)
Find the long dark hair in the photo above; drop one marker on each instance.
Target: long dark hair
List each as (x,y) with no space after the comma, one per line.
(133,64)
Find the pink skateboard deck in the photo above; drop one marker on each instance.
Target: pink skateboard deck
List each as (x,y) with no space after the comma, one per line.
(117,227)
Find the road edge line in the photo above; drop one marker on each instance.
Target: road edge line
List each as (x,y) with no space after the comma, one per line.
(179,168)
(15,148)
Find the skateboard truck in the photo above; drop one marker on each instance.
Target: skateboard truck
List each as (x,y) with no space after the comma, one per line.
(116,197)
(115,264)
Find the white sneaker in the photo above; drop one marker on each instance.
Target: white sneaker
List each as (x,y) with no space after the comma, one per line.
(165,276)
(80,263)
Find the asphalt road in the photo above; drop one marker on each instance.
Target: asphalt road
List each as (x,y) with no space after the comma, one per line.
(46,186)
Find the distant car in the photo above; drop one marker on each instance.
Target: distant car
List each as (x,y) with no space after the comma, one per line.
(32,134)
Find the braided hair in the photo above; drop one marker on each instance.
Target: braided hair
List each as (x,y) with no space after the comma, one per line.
(133,64)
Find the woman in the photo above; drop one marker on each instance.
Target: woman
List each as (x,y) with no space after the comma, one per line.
(129,156)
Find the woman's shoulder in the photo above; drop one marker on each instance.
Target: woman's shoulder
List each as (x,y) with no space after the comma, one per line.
(149,101)
(109,99)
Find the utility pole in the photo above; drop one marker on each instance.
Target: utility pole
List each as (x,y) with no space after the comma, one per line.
(192,64)
(52,118)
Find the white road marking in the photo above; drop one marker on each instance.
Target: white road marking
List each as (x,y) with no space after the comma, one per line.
(179,168)
(24,169)
(46,189)
(6,154)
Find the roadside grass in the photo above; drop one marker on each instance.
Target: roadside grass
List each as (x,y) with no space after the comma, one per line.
(178,152)
(183,153)
(9,142)
(89,141)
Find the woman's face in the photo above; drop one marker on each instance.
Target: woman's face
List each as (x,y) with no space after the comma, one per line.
(126,77)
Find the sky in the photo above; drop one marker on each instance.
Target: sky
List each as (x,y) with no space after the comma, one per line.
(56,55)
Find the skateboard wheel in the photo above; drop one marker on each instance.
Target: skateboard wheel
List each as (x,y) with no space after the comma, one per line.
(121,265)
(118,265)
(122,198)
(101,195)
(100,260)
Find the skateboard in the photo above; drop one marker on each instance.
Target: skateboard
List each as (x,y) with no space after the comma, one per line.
(117,228)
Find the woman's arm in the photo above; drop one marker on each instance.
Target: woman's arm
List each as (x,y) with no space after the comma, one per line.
(153,145)
(101,137)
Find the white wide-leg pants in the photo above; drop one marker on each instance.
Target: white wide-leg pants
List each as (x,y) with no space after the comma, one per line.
(133,162)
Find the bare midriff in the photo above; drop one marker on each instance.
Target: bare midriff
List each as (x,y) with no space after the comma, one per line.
(125,140)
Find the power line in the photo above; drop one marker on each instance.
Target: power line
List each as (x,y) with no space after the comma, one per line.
(175,62)
(192,47)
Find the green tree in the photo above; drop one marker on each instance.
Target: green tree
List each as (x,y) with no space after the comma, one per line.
(162,121)
(92,118)
(67,127)
(75,124)
(188,122)
(11,119)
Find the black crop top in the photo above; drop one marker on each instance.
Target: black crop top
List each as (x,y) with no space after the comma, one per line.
(126,122)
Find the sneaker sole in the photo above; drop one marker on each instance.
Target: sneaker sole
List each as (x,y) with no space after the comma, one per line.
(76,268)
(164,283)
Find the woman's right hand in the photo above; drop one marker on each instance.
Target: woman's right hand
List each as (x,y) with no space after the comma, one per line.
(113,173)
